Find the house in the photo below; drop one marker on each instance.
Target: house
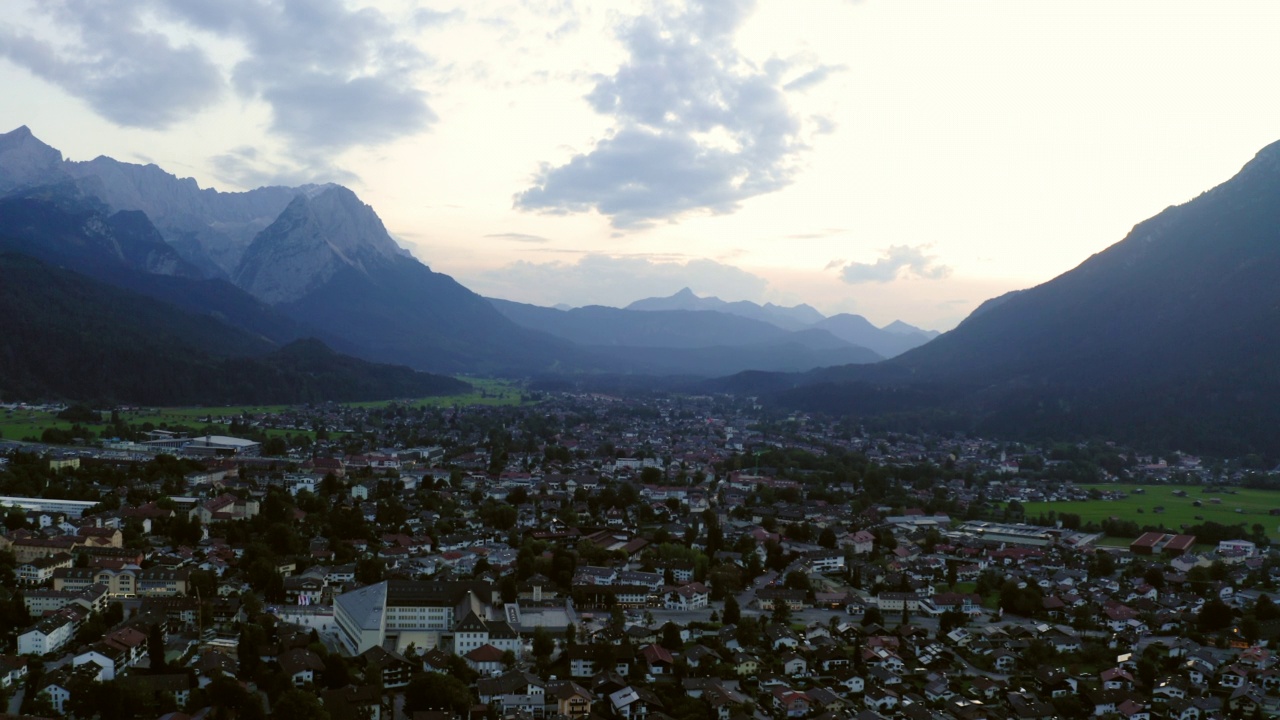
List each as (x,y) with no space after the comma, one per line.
(300,665)
(792,703)
(746,664)
(570,699)
(878,698)
(693,596)
(657,658)
(392,667)
(628,704)
(794,665)
(485,659)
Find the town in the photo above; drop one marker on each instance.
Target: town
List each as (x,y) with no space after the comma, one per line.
(589,556)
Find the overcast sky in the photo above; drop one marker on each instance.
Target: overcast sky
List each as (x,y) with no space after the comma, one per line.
(900,159)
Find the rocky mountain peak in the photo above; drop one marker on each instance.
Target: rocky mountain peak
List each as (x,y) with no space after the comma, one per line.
(25,161)
(322,231)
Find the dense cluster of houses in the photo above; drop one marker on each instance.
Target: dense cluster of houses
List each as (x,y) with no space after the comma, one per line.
(862,609)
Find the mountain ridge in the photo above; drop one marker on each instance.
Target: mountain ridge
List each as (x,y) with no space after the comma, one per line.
(1167,337)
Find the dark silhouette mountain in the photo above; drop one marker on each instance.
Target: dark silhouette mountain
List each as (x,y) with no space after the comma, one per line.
(66,336)
(788,318)
(62,226)
(1169,338)
(894,339)
(684,342)
(889,341)
(312,257)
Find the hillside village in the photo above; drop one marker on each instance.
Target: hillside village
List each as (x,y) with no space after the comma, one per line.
(589,556)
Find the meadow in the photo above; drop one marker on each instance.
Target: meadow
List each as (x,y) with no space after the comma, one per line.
(21,423)
(1233,506)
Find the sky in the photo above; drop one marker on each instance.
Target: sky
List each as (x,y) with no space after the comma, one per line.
(898,159)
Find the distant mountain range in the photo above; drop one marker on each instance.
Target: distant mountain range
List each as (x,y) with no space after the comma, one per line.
(285,264)
(686,342)
(689,335)
(893,339)
(1168,338)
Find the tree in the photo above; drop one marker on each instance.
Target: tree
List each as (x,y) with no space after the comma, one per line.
(543,644)
(1265,610)
(1214,615)
(335,673)
(781,611)
(732,613)
(671,637)
(872,617)
(827,538)
(435,691)
(294,704)
(155,648)
(796,580)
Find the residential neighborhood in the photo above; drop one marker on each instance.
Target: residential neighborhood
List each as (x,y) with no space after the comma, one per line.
(579,556)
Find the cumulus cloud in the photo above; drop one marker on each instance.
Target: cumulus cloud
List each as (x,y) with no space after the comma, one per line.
(697,127)
(334,77)
(246,167)
(128,74)
(899,261)
(615,280)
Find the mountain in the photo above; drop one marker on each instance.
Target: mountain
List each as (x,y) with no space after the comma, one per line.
(1168,338)
(894,339)
(788,318)
(207,228)
(600,325)
(315,260)
(62,226)
(686,342)
(891,340)
(320,232)
(66,336)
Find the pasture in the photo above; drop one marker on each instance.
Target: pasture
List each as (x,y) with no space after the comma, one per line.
(20,423)
(1159,505)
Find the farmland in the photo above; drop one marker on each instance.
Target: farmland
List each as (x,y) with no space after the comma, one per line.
(22,422)
(1226,506)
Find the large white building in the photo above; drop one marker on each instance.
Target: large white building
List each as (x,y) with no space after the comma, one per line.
(424,613)
(72,508)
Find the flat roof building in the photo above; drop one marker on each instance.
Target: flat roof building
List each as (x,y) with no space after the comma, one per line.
(1150,543)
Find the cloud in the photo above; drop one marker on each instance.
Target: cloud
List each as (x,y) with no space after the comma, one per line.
(697,127)
(246,167)
(615,280)
(130,75)
(334,77)
(426,17)
(814,77)
(833,265)
(899,261)
(519,237)
(817,234)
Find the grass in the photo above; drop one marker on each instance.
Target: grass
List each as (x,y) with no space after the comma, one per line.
(1254,507)
(487,391)
(20,424)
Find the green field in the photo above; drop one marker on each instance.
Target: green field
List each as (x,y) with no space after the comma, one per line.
(1254,507)
(487,392)
(20,424)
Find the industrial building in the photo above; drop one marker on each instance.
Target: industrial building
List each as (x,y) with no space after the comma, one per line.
(1157,542)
